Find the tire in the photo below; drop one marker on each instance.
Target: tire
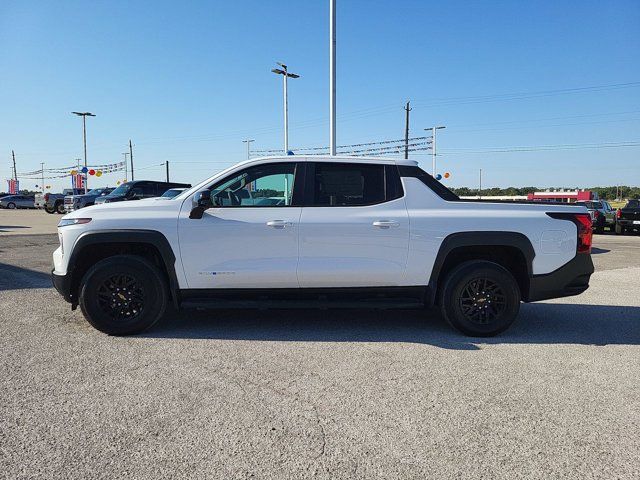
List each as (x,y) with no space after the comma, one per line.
(11,206)
(476,317)
(60,208)
(49,209)
(619,229)
(108,281)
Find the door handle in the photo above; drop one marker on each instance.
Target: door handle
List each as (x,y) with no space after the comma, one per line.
(279,224)
(385,223)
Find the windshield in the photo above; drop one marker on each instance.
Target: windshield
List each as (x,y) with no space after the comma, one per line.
(121,190)
(173,192)
(633,204)
(97,191)
(591,205)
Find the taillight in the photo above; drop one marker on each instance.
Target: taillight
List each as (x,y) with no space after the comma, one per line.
(596,213)
(46,197)
(618,213)
(585,232)
(584,225)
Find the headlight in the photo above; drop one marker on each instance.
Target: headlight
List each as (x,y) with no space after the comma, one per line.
(65,222)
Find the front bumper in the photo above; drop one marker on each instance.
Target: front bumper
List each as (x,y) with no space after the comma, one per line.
(62,283)
(570,279)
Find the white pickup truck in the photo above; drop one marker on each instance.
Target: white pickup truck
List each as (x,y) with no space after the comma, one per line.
(320,231)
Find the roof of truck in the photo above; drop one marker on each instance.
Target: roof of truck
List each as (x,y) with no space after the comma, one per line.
(336,158)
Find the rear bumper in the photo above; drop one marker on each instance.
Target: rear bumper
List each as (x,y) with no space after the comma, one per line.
(62,283)
(627,223)
(570,279)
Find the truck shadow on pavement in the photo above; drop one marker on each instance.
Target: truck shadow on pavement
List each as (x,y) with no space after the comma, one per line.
(542,323)
(17,278)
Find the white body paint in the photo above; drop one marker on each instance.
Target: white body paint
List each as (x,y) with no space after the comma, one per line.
(390,244)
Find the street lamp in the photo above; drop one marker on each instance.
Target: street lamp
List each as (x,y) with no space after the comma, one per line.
(433,147)
(84,116)
(285,75)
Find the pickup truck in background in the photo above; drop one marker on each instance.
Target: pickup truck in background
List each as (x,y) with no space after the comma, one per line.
(75,202)
(628,217)
(320,231)
(602,214)
(54,202)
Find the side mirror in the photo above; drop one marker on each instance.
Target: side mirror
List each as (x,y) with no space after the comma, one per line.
(201,202)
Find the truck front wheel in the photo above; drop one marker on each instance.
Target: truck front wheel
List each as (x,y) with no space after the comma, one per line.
(123,295)
(480,298)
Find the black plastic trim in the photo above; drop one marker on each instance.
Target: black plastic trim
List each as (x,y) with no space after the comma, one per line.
(570,279)
(347,297)
(477,239)
(68,287)
(439,189)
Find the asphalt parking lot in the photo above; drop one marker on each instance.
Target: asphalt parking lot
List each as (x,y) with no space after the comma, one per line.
(317,394)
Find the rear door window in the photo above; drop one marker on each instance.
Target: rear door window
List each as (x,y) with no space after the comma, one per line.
(352,184)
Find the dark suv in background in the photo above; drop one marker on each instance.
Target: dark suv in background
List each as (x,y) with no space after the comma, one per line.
(138,189)
(602,214)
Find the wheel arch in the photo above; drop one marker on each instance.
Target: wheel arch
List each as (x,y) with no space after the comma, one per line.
(512,250)
(91,247)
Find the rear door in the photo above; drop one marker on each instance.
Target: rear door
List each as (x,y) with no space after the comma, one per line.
(354,227)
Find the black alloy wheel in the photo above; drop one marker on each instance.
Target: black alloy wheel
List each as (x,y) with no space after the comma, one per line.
(480,298)
(123,294)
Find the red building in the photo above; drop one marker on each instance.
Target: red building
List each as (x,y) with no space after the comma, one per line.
(568,196)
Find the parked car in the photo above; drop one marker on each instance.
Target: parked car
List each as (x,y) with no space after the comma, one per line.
(75,202)
(628,217)
(345,232)
(173,192)
(602,214)
(54,202)
(139,189)
(17,201)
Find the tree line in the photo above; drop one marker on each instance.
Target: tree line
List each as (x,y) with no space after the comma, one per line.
(605,193)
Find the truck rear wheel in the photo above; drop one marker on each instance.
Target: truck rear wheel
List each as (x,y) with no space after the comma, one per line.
(123,295)
(619,229)
(480,298)
(60,208)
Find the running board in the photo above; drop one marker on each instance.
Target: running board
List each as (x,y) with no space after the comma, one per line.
(324,298)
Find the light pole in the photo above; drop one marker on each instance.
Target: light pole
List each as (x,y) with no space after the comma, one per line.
(332,78)
(285,75)
(84,116)
(433,147)
(125,164)
(248,142)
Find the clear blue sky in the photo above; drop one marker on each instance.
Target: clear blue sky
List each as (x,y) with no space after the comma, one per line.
(187,81)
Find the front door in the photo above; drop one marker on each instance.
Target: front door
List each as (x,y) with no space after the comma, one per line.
(354,228)
(249,238)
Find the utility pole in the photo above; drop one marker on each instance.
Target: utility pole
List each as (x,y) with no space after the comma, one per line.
(406,132)
(480,191)
(42,175)
(131,158)
(167,166)
(433,147)
(84,116)
(285,75)
(332,78)
(15,172)
(125,165)
(248,142)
